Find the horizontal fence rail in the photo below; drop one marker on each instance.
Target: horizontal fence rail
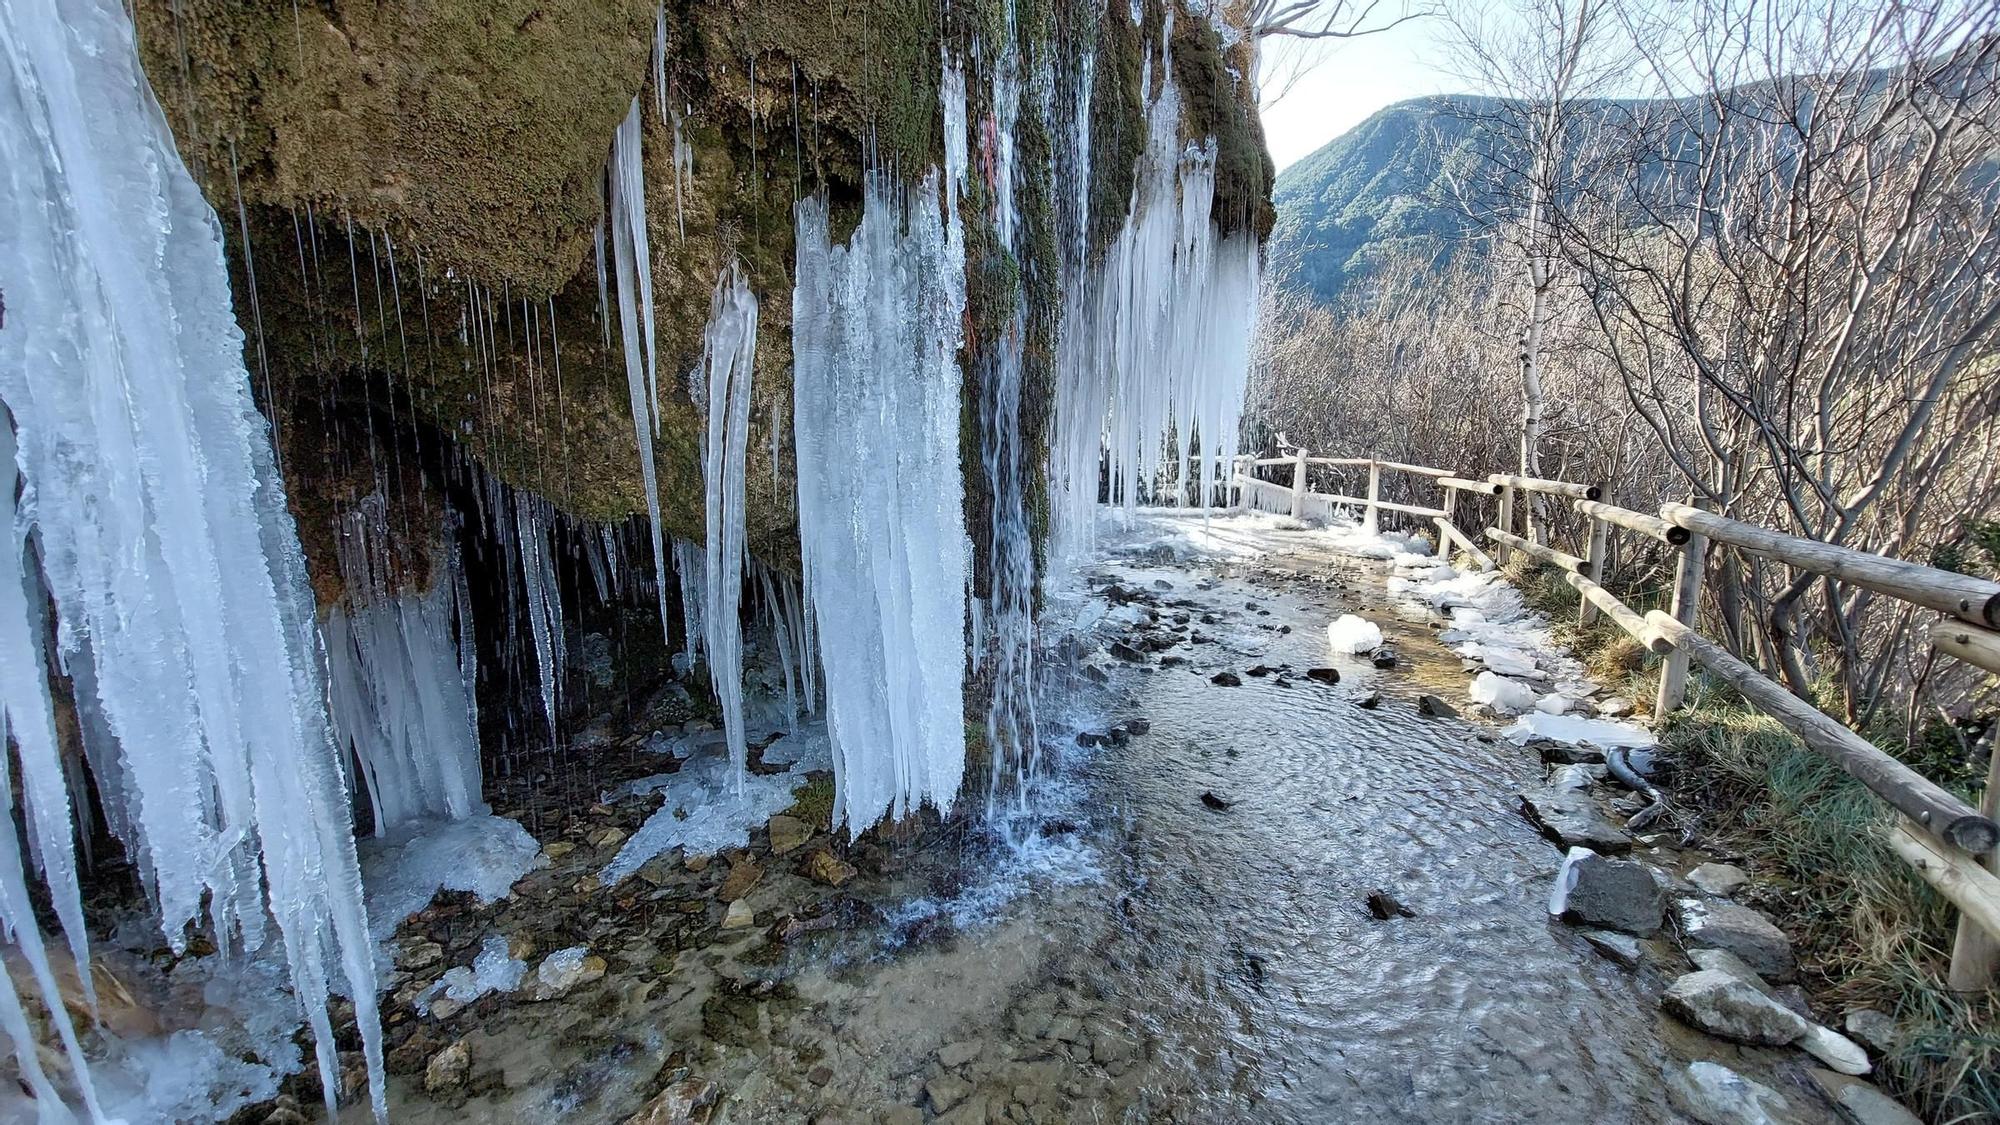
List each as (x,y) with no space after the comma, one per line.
(1950,844)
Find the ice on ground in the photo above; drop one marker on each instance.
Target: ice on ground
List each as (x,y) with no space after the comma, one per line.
(1505,661)
(495,969)
(1576,728)
(1509,697)
(1186,533)
(703,812)
(485,855)
(1350,635)
(1555,703)
(1387,546)
(1566,879)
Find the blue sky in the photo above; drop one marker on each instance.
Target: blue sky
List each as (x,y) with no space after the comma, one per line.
(1350,79)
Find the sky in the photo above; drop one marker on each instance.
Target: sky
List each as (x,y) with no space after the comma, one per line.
(1351,79)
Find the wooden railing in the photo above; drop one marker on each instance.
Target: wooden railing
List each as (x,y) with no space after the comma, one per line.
(1950,844)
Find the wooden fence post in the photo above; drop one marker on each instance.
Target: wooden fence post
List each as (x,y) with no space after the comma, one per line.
(1975,953)
(1299,485)
(1505,522)
(1594,562)
(1371,521)
(1687,605)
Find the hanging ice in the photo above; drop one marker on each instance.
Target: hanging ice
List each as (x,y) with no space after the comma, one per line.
(164,538)
(722,384)
(634,266)
(691,565)
(876,328)
(534,526)
(400,681)
(1157,345)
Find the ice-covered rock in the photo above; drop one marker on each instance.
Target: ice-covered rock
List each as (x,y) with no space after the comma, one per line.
(1575,728)
(1349,635)
(1507,696)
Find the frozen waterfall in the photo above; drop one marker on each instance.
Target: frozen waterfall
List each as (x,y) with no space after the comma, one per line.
(161,534)
(1157,345)
(876,329)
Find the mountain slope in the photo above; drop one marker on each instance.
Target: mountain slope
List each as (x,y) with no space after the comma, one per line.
(1374,190)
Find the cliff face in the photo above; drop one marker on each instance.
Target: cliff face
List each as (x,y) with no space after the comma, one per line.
(420,187)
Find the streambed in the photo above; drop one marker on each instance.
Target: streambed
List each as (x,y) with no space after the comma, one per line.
(1133,953)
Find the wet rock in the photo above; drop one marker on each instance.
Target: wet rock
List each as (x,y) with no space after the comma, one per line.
(1324,675)
(738,916)
(448,1068)
(1740,930)
(1219,804)
(825,867)
(564,970)
(1384,657)
(901,1115)
(1566,753)
(677,1104)
(1837,1051)
(1873,1030)
(1384,906)
(420,955)
(1570,818)
(1431,707)
(1719,879)
(606,838)
(697,863)
(954,1055)
(1097,675)
(1172,661)
(1137,726)
(1615,894)
(737,883)
(558,849)
(1716,1095)
(945,1091)
(1107,1048)
(1370,701)
(1860,1102)
(1723,961)
(1622,948)
(1722,1005)
(788,834)
(1226,679)
(1127,653)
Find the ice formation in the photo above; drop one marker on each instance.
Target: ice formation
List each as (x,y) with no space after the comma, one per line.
(703,808)
(634,267)
(1157,349)
(400,679)
(1507,696)
(534,526)
(1349,634)
(1576,728)
(163,537)
(876,328)
(482,855)
(721,384)
(494,969)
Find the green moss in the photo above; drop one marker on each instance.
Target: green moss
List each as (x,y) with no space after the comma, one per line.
(814,802)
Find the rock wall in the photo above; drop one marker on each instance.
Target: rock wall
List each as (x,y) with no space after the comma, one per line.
(413,192)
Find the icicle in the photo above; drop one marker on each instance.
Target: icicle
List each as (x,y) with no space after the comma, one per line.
(876,329)
(166,542)
(534,518)
(400,678)
(728,362)
(635,319)
(691,565)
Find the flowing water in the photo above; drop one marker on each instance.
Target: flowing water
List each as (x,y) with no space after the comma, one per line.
(1136,954)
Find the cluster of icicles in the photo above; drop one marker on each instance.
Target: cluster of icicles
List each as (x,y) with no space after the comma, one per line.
(216,714)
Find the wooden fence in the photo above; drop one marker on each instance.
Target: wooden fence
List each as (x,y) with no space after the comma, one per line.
(1950,844)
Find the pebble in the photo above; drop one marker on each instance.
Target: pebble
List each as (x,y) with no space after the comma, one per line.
(738,916)
(1719,879)
(448,1068)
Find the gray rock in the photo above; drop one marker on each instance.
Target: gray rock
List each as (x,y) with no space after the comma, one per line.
(1566,753)
(1722,1005)
(1719,879)
(955,1055)
(1570,818)
(1860,1102)
(1740,930)
(1430,706)
(946,1091)
(1835,1050)
(1716,1095)
(1873,1030)
(1616,707)
(447,1069)
(1614,894)
(1622,948)
(1723,961)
